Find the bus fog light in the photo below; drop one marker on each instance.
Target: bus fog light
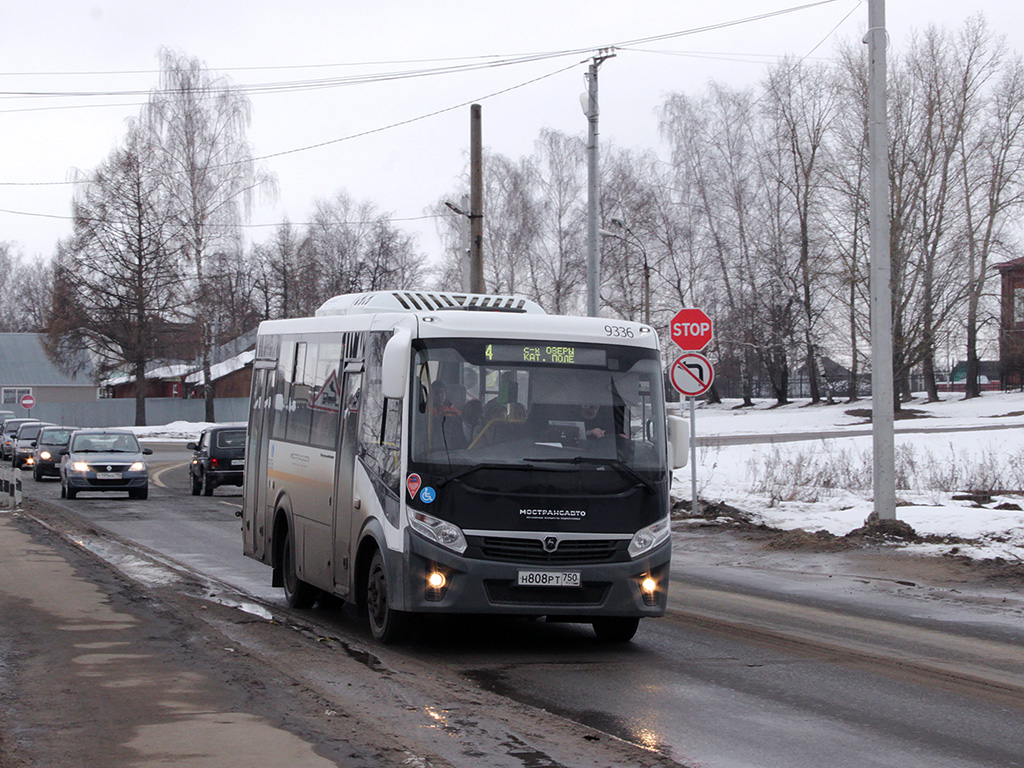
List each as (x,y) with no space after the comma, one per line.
(437,585)
(649,590)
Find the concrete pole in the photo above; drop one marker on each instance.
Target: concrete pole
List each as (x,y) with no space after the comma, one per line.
(593,197)
(882,389)
(590,109)
(476,202)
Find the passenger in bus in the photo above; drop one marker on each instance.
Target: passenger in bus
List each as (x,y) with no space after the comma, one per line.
(501,423)
(472,418)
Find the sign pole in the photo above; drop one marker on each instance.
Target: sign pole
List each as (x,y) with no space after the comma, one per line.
(693,456)
(692,374)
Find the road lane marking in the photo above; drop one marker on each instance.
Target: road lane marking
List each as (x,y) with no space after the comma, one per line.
(155,477)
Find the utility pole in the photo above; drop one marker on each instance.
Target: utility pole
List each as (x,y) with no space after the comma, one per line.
(590,109)
(882,389)
(476,202)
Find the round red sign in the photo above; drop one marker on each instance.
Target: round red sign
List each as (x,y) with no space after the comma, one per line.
(692,374)
(27,401)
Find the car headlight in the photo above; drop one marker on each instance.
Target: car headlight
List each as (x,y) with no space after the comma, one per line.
(648,538)
(138,466)
(79,466)
(441,531)
(45,455)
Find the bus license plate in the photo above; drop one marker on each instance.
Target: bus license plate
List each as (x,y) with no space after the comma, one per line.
(108,475)
(549,579)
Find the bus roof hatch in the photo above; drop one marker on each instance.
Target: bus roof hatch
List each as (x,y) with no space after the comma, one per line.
(424,301)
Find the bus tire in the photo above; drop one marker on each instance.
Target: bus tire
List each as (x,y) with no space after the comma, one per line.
(616,629)
(297,593)
(387,625)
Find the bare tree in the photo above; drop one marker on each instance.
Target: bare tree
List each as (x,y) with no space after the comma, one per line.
(557,274)
(199,123)
(801,107)
(993,179)
(24,291)
(117,283)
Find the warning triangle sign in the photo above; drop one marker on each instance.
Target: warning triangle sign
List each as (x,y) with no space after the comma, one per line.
(328,398)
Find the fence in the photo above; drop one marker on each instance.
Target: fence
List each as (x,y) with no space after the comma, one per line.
(10,488)
(120,412)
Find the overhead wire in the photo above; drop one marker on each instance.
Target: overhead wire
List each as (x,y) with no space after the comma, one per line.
(303,85)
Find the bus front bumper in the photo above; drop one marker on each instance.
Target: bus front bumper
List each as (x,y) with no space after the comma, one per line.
(490,587)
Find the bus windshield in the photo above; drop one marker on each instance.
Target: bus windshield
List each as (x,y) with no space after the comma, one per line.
(511,402)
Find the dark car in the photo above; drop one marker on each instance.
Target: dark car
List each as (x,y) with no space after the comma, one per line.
(24,442)
(219,459)
(104,460)
(7,433)
(45,459)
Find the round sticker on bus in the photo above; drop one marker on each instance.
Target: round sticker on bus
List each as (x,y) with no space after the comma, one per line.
(427,495)
(413,483)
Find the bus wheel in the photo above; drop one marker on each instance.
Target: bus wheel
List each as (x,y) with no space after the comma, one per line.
(297,593)
(386,624)
(616,629)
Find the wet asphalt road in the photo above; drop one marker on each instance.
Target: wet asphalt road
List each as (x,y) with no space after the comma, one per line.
(738,674)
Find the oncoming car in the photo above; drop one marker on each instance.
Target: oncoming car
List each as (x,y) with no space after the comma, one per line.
(7,433)
(45,459)
(219,459)
(104,460)
(24,441)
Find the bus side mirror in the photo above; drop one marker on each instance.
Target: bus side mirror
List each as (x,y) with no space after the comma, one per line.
(678,441)
(394,372)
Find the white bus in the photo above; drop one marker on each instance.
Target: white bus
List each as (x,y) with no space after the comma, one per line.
(420,452)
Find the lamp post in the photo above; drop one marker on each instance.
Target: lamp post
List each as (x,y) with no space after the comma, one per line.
(620,224)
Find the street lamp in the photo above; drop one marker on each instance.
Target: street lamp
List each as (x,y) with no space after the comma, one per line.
(620,224)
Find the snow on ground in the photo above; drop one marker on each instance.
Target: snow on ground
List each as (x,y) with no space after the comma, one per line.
(826,483)
(183,431)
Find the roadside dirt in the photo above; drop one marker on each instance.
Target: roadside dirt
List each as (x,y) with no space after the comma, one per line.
(98,670)
(876,542)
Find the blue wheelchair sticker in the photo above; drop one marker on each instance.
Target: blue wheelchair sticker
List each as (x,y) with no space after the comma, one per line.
(427,495)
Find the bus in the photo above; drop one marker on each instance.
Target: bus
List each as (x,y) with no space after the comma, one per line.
(444,453)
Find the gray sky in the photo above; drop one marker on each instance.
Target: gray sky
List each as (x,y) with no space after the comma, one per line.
(103,55)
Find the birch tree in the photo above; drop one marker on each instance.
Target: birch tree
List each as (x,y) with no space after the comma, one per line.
(199,121)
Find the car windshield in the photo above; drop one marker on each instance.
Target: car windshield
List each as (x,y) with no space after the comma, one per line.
(231,438)
(98,442)
(54,436)
(477,403)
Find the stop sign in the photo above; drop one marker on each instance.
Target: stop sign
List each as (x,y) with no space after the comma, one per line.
(691,329)
(27,401)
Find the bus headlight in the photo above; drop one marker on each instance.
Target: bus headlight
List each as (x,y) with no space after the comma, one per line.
(440,531)
(648,538)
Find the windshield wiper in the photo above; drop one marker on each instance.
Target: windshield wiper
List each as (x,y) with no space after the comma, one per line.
(621,466)
(486,465)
